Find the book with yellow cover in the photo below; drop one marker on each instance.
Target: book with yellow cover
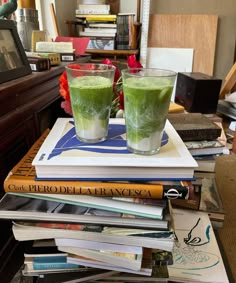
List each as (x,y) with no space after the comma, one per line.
(103,18)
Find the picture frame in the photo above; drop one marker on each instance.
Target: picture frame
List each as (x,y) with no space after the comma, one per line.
(13,60)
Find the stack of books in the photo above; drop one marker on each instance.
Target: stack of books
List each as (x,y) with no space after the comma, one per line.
(203,137)
(99,25)
(100,193)
(125,31)
(205,197)
(94,9)
(100,207)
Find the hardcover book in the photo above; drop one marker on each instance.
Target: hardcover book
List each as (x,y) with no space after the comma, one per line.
(62,155)
(22,178)
(206,163)
(205,147)
(97,17)
(39,64)
(101,42)
(194,126)
(208,198)
(48,262)
(211,202)
(53,57)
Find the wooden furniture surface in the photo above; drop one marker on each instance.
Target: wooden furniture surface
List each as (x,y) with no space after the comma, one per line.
(114,53)
(229,85)
(186,31)
(28,106)
(226,180)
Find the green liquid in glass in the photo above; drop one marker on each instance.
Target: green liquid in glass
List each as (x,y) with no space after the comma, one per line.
(147,102)
(91,98)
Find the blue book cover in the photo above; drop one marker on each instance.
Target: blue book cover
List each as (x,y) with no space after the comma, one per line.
(52,262)
(62,155)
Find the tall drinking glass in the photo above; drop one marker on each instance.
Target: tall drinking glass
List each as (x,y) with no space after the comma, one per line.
(91,94)
(147,94)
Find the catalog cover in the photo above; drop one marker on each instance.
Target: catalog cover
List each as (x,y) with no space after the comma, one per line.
(196,254)
(62,155)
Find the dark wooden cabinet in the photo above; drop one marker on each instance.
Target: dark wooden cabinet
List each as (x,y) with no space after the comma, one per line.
(28,106)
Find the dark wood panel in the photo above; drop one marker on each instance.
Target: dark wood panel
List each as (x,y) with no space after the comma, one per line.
(28,106)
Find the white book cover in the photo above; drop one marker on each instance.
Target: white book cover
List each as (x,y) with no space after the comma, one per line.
(94,7)
(102,25)
(196,255)
(144,269)
(155,239)
(95,245)
(101,30)
(98,33)
(205,147)
(126,260)
(62,155)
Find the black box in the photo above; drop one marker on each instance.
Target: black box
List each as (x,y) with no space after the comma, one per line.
(67,57)
(197,92)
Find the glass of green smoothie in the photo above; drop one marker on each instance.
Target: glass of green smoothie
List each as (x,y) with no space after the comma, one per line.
(147,94)
(91,87)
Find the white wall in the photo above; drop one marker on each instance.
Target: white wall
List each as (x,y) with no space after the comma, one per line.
(128,6)
(65,10)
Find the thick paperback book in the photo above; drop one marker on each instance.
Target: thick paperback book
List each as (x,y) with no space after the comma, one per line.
(62,155)
(154,239)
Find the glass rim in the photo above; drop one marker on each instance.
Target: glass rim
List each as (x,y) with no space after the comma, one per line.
(104,67)
(134,71)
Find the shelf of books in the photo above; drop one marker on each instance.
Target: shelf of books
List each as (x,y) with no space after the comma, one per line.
(114,34)
(146,220)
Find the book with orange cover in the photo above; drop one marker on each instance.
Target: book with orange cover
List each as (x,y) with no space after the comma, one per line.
(22,179)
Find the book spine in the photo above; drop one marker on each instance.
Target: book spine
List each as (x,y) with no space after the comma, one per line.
(39,64)
(105,189)
(53,265)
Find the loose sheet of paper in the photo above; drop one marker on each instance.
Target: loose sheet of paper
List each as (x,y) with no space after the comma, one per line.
(174,59)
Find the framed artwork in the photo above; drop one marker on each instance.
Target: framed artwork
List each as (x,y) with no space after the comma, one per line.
(13,60)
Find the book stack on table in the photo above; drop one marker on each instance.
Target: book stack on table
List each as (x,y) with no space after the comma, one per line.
(205,140)
(104,208)
(203,137)
(99,25)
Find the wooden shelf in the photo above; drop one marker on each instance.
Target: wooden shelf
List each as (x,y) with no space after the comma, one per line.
(112,52)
